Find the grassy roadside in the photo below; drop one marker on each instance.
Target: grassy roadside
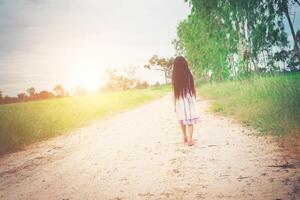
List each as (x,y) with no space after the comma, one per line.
(24,123)
(269,104)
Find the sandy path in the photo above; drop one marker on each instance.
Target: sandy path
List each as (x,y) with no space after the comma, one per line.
(138,155)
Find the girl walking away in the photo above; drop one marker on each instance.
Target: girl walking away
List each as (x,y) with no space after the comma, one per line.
(184,98)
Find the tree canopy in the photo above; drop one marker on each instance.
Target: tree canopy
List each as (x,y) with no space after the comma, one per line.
(224,39)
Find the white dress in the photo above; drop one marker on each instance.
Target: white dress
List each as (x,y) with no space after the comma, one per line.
(186,110)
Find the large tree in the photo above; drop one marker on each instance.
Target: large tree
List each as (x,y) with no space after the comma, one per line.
(206,51)
(45,95)
(161,64)
(130,71)
(59,90)
(225,38)
(116,81)
(22,96)
(31,92)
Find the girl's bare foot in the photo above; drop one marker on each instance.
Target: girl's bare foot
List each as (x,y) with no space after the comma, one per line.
(190,143)
(185,140)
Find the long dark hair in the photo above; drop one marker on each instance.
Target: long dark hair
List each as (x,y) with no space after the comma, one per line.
(182,78)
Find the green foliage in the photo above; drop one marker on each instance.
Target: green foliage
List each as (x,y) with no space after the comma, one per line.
(205,51)
(270,104)
(252,32)
(25,123)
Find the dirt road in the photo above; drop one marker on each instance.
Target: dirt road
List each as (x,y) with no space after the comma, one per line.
(139,155)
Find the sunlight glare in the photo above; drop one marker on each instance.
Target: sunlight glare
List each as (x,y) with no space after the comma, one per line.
(86,69)
(89,81)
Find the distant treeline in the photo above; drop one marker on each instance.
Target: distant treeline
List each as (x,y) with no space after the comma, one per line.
(117,80)
(237,38)
(31,94)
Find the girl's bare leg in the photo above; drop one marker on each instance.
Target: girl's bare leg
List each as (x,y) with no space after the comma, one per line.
(190,134)
(183,128)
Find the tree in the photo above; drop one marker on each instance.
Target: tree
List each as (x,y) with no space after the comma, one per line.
(141,85)
(130,71)
(22,96)
(8,99)
(156,84)
(31,92)
(113,80)
(206,51)
(45,95)
(59,90)
(118,82)
(162,64)
(1,96)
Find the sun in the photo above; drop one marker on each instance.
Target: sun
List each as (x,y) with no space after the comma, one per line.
(85,69)
(89,81)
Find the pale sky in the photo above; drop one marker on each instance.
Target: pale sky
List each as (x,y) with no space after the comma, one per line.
(46,42)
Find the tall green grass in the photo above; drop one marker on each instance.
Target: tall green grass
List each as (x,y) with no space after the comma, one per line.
(25,123)
(270,104)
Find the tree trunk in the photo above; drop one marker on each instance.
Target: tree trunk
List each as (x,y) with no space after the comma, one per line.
(166,79)
(286,12)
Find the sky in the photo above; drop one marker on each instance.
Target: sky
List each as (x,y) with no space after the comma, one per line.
(72,42)
(295,17)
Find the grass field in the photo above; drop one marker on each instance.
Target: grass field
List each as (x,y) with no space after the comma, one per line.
(270,104)
(25,123)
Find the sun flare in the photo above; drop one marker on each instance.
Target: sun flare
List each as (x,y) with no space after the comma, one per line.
(86,71)
(89,81)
